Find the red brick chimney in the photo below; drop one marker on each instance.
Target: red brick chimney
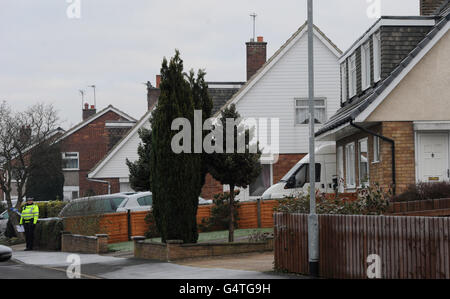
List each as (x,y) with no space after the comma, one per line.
(88,112)
(430,7)
(256,56)
(153,93)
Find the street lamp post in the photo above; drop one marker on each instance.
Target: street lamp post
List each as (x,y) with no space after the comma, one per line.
(313,221)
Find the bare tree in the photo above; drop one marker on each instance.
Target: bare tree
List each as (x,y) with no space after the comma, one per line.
(20,134)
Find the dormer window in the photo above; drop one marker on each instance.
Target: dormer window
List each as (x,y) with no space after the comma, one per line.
(352,75)
(344,77)
(365,66)
(376,57)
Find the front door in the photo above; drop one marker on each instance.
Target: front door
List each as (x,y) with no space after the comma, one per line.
(433,157)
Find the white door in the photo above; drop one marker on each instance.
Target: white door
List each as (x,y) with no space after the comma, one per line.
(433,157)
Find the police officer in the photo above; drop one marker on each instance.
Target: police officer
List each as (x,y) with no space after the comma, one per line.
(29,217)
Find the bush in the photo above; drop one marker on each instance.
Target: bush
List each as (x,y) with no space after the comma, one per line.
(370,201)
(424,191)
(47,234)
(220,214)
(152,229)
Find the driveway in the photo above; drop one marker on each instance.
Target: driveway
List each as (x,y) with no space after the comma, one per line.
(97,266)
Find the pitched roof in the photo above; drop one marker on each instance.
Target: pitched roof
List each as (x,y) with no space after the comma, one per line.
(353,110)
(275,57)
(100,164)
(94,117)
(221,92)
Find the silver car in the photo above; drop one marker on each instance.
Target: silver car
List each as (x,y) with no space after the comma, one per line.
(3,221)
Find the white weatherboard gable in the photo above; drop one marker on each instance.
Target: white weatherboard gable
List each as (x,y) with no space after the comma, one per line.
(272,94)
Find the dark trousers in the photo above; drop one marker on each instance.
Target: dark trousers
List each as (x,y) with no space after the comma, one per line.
(29,234)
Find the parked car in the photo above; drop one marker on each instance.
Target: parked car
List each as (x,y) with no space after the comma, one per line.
(102,204)
(296,181)
(5,253)
(142,201)
(3,221)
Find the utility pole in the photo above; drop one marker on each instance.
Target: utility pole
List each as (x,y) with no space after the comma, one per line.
(254,15)
(95,100)
(313,221)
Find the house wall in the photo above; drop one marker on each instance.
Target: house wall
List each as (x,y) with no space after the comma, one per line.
(279,170)
(381,172)
(91,142)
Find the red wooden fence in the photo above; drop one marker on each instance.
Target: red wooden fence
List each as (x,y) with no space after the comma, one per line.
(409,247)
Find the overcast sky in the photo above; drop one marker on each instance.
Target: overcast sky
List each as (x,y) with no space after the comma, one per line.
(117,45)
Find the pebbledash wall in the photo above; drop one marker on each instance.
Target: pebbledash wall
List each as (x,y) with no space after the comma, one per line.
(92,142)
(381,172)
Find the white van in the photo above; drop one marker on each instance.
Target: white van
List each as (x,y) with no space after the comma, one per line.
(296,181)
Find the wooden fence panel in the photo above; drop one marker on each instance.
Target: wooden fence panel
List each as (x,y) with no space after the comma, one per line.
(409,247)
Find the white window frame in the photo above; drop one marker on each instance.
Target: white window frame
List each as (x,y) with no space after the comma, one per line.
(78,160)
(324,106)
(344,85)
(350,157)
(376,149)
(340,167)
(365,66)
(352,75)
(376,57)
(359,161)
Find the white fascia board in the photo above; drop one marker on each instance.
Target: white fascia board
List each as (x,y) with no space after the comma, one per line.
(365,114)
(386,22)
(432,126)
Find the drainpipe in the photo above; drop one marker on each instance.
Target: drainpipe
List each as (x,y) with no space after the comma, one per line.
(392,142)
(100,181)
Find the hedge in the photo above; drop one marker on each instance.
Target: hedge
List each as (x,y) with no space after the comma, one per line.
(47,234)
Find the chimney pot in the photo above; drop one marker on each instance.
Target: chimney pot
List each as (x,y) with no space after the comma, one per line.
(260,39)
(86,106)
(92,107)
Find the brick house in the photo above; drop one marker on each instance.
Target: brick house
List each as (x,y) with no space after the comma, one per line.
(87,143)
(394,123)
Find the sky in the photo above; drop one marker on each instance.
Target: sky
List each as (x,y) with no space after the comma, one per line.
(47,54)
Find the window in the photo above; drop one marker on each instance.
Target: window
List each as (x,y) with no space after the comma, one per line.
(145,200)
(376,57)
(302,111)
(376,149)
(363,157)
(70,161)
(344,77)
(352,75)
(262,182)
(350,165)
(365,66)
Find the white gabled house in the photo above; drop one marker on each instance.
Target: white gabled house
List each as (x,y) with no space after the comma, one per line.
(279,89)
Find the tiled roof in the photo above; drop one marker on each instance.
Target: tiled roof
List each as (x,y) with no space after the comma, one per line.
(221,95)
(358,105)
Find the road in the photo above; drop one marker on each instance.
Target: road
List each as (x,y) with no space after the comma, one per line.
(35,264)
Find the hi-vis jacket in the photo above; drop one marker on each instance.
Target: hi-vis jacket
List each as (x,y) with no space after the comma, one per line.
(30,212)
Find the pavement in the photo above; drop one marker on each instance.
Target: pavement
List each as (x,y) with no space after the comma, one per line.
(55,264)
